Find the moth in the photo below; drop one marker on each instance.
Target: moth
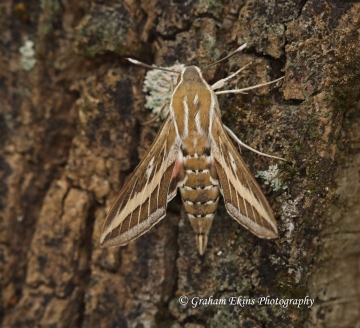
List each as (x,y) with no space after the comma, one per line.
(192,152)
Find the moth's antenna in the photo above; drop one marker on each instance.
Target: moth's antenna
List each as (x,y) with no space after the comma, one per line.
(233,135)
(136,62)
(228,56)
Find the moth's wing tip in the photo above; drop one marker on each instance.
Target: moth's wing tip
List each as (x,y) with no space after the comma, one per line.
(103,243)
(111,243)
(270,234)
(274,235)
(107,242)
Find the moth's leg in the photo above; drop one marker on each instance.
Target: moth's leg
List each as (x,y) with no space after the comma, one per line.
(171,84)
(249,88)
(157,115)
(233,135)
(219,84)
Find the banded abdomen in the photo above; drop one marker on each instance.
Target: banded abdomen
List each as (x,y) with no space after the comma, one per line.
(200,191)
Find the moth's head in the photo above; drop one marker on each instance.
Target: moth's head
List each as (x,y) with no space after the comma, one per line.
(191,74)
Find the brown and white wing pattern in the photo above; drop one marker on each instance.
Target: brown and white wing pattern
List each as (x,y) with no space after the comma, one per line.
(143,199)
(243,198)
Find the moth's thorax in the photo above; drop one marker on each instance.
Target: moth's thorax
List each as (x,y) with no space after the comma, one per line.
(193,103)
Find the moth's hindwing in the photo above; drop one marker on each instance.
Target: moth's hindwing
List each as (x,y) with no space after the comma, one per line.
(243,198)
(143,199)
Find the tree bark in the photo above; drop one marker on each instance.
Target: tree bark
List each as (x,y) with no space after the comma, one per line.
(71,132)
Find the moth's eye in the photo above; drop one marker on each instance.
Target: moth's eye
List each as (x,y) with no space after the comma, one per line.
(205,77)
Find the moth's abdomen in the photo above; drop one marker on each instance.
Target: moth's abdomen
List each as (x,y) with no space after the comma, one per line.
(200,194)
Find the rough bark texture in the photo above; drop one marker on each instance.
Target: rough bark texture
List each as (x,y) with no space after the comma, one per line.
(71,133)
